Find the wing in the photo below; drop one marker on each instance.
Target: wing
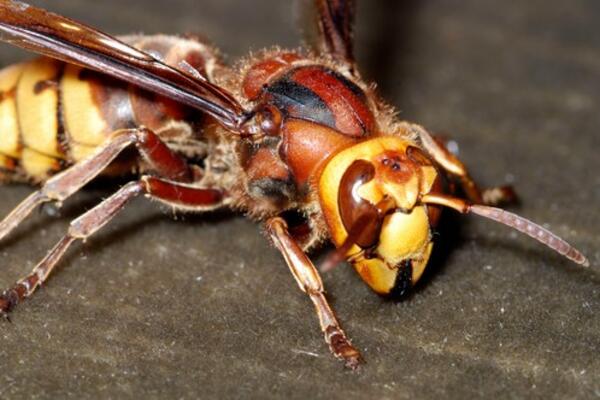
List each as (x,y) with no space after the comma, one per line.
(335,19)
(73,42)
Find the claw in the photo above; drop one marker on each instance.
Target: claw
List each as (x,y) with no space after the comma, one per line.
(342,348)
(4,315)
(8,300)
(353,362)
(351,356)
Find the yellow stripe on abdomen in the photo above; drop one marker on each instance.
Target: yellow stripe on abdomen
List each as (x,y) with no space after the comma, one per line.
(39,166)
(84,122)
(10,148)
(37,106)
(9,128)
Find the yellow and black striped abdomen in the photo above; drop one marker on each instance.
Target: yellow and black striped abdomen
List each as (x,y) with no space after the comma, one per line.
(92,107)
(54,114)
(49,117)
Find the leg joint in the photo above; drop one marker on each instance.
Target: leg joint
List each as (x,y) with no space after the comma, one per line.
(97,217)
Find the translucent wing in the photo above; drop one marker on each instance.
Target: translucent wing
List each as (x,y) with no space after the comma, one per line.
(335,20)
(58,37)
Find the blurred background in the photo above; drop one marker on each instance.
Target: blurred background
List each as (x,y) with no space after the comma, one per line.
(188,307)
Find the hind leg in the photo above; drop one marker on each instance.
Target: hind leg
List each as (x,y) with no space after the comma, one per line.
(437,149)
(172,193)
(63,185)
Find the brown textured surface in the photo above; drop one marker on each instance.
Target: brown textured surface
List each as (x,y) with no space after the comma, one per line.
(158,308)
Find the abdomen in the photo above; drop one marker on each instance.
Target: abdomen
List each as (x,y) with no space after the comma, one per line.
(54,114)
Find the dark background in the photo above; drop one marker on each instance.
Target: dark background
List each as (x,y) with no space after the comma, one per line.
(155,307)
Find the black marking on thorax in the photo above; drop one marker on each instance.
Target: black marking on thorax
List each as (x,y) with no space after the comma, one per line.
(298,101)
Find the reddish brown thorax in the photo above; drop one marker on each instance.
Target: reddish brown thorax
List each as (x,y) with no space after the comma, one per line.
(311,110)
(262,72)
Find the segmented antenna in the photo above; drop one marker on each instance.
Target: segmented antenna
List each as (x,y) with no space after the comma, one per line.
(531,229)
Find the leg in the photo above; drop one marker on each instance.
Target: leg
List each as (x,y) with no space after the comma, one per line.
(63,185)
(90,222)
(310,283)
(437,149)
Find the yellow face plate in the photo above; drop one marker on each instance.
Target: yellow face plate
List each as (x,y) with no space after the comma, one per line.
(403,235)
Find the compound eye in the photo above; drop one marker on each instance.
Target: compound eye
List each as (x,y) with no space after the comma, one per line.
(360,218)
(269,118)
(417,156)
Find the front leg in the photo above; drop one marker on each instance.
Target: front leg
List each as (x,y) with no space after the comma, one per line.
(436,148)
(310,283)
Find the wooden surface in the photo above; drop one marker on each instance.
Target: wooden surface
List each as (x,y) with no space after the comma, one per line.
(497,315)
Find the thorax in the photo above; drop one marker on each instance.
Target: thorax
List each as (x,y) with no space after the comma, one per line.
(308,110)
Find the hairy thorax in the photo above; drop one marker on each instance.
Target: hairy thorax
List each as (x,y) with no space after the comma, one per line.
(308,109)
